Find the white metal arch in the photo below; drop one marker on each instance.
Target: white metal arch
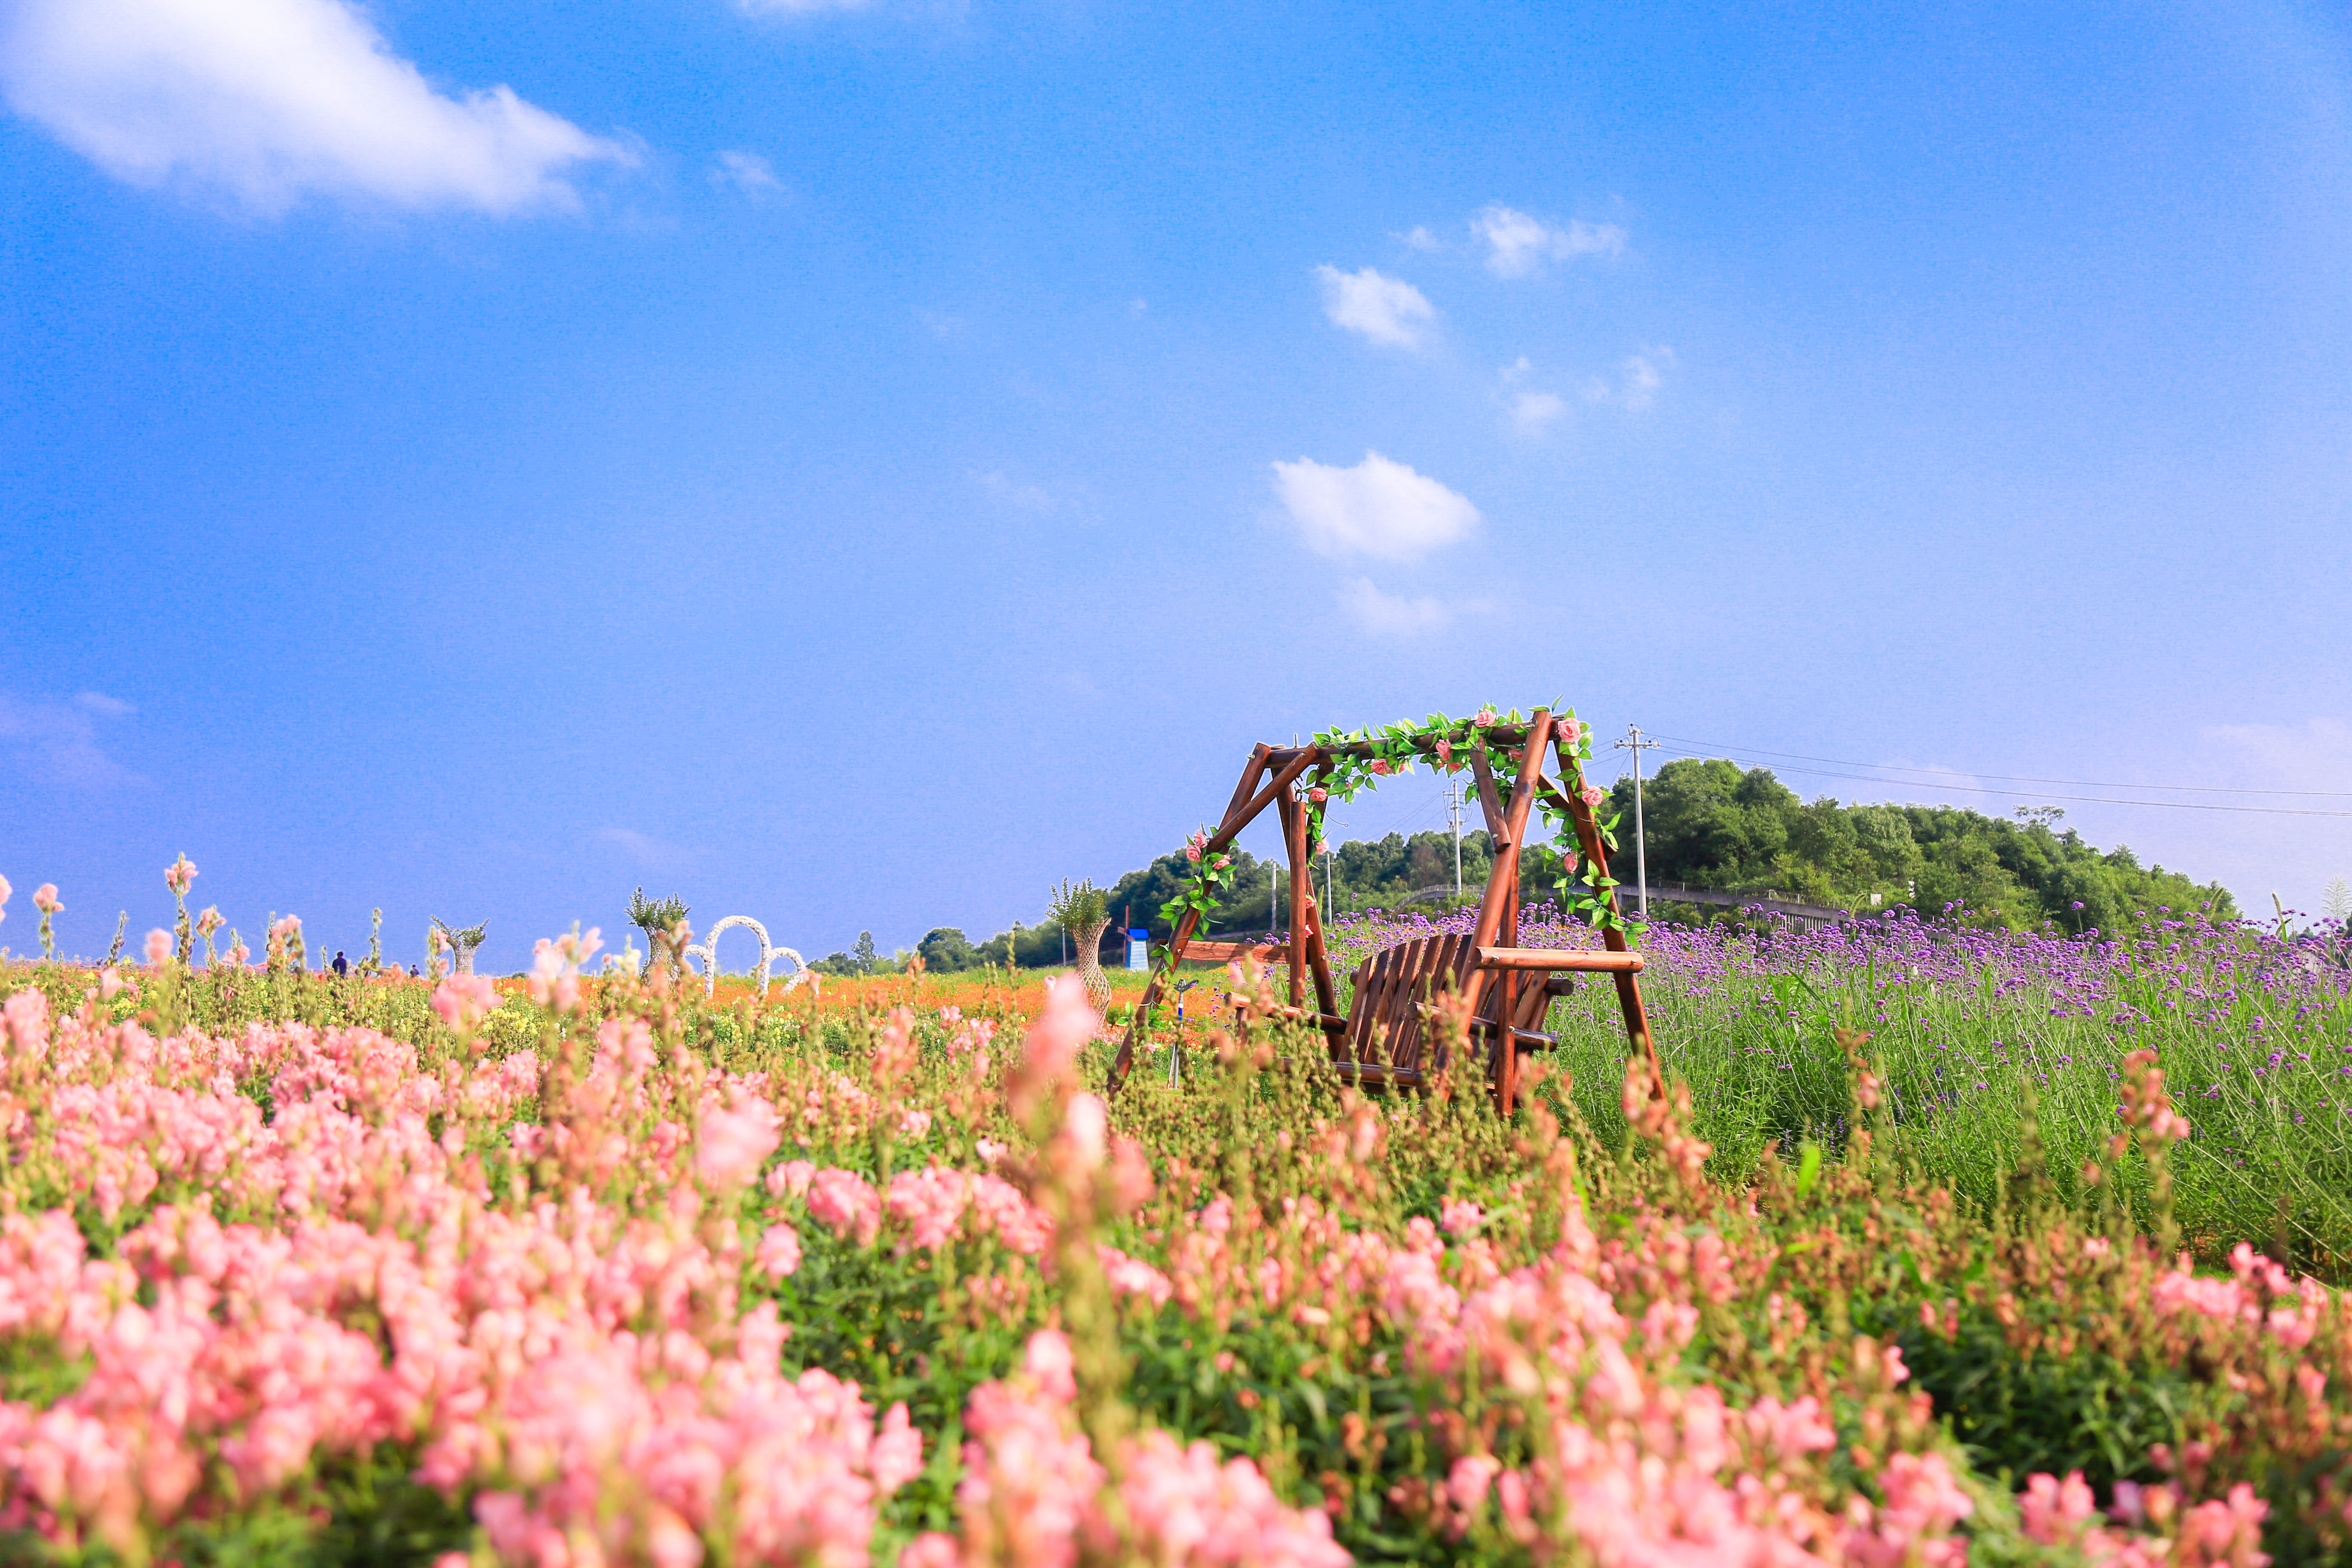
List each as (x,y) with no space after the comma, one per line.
(707,952)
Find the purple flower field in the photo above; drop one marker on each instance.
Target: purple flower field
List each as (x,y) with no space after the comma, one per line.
(1987,1040)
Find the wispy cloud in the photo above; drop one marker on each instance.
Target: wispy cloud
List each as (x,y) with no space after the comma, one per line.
(650,853)
(1378,507)
(1638,381)
(271,100)
(56,741)
(796,7)
(1387,310)
(1533,413)
(1517,245)
(746,171)
(1530,410)
(1394,615)
(1011,491)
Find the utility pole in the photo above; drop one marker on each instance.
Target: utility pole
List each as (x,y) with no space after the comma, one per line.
(1453,810)
(1634,743)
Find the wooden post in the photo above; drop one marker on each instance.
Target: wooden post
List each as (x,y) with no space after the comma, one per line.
(1237,816)
(1502,897)
(1629,988)
(1294,843)
(1318,955)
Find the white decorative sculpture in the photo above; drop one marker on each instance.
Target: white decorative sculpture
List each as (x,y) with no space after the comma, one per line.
(707,952)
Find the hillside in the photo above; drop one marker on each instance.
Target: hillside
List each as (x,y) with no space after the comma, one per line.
(1710,825)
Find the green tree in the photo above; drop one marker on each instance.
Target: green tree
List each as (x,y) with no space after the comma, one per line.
(945,951)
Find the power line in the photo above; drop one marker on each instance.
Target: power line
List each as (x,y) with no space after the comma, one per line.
(2008,778)
(2035,795)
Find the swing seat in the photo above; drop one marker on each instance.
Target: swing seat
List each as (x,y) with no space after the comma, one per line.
(1390,1035)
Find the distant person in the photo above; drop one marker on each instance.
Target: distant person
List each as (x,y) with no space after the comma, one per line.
(340,968)
(412,973)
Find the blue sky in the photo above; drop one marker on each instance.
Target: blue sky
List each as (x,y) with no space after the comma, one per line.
(857,465)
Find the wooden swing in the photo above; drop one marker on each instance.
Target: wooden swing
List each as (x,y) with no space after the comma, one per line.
(1388,1038)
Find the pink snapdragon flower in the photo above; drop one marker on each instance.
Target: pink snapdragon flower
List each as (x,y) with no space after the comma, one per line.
(4,891)
(1460,1219)
(178,875)
(929,1202)
(779,1252)
(159,948)
(555,967)
(463,1001)
(1132,1276)
(44,898)
(790,1179)
(1086,1126)
(1068,1022)
(731,1145)
(848,1203)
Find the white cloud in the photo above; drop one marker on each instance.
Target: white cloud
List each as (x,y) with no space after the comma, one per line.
(1422,239)
(1394,615)
(57,741)
(1385,310)
(1517,245)
(1378,507)
(746,171)
(269,101)
(1637,386)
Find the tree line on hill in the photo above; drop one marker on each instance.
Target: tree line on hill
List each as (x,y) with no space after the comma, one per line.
(1710,825)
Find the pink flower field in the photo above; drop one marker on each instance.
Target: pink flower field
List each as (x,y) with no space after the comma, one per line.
(302,1270)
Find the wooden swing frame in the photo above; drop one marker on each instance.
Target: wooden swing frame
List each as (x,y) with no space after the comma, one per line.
(1491,969)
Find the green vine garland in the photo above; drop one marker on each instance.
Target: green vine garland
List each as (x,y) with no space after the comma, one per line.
(1582,888)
